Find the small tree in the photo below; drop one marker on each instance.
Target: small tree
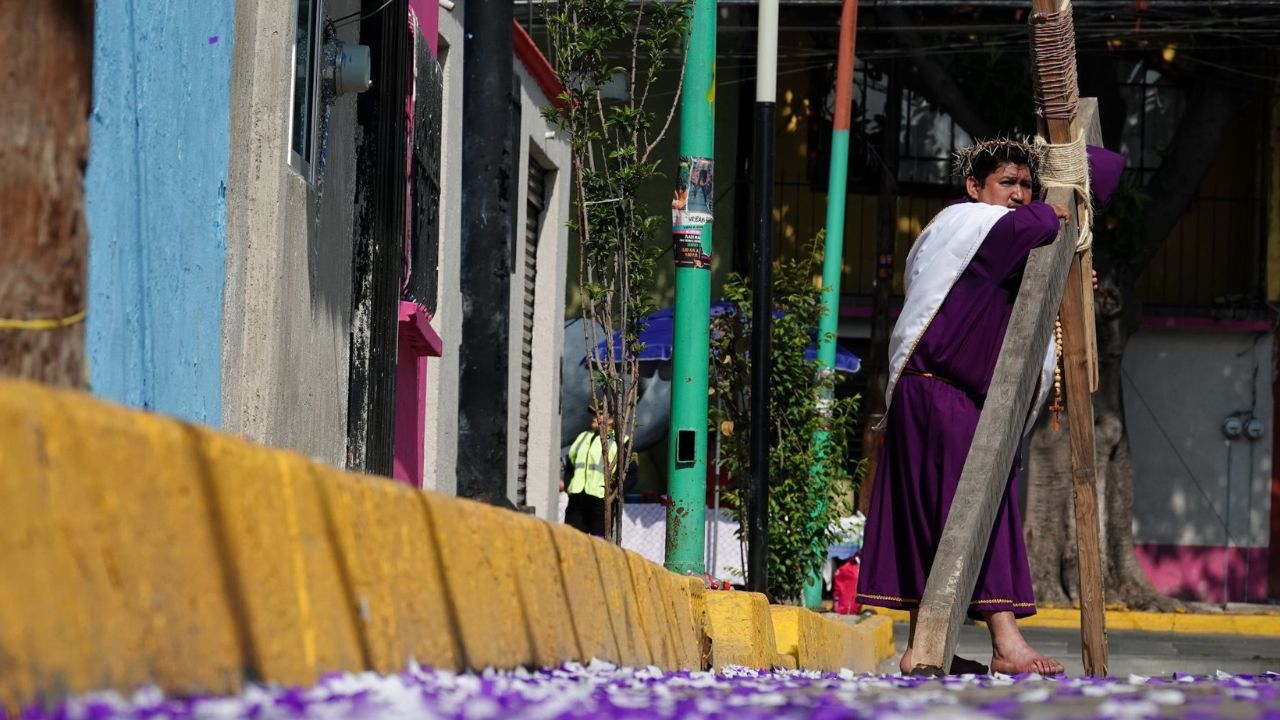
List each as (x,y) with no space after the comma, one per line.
(808,487)
(612,144)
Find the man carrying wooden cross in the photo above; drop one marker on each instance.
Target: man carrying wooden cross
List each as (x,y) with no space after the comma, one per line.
(961,281)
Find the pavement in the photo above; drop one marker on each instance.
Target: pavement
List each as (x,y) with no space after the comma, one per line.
(600,690)
(1146,653)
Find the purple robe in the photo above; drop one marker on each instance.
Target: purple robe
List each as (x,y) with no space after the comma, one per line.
(932,421)
(931,426)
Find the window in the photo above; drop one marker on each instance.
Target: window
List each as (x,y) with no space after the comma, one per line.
(927,136)
(1154,105)
(306,56)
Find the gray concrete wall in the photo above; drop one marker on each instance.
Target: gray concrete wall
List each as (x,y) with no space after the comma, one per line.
(1179,385)
(441,438)
(539,143)
(287,303)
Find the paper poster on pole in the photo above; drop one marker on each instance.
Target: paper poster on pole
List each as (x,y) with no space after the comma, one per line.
(695,188)
(688,248)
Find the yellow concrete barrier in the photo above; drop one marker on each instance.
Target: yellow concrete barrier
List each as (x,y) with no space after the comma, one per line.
(822,643)
(137,549)
(99,588)
(741,630)
(584,588)
(622,603)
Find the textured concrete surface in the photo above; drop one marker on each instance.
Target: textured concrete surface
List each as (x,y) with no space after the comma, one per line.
(287,310)
(741,630)
(831,643)
(1150,653)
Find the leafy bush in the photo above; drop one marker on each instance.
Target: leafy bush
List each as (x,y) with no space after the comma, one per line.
(809,481)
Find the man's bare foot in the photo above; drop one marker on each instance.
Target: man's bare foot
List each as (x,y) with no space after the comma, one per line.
(1024,660)
(1010,653)
(959,665)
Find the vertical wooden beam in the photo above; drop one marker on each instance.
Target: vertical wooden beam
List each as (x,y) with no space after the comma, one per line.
(44,141)
(1079,375)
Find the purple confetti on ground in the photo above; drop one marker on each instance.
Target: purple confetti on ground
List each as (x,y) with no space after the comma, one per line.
(600,690)
(213,39)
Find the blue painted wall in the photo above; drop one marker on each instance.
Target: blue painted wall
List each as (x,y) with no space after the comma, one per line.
(156,203)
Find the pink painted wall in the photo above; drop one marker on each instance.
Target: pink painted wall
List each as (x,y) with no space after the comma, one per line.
(418,341)
(428,13)
(1197,572)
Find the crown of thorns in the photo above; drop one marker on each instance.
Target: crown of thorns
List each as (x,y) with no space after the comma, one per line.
(998,151)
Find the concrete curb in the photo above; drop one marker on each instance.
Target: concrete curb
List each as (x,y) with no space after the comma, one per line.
(1256,625)
(823,643)
(140,550)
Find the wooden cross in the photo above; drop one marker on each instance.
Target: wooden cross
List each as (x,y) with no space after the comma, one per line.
(1050,270)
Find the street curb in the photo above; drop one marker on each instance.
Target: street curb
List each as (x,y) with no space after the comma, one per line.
(823,643)
(1255,625)
(141,550)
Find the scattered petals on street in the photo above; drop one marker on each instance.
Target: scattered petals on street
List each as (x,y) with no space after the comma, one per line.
(600,690)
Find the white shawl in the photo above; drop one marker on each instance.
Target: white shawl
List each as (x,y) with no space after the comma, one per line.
(934,264)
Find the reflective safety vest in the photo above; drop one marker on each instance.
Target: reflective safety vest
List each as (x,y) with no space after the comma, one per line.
(588,465)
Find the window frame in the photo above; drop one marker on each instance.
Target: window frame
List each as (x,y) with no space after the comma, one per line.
(304,164)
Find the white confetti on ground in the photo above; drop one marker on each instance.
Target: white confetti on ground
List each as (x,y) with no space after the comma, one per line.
(600,690)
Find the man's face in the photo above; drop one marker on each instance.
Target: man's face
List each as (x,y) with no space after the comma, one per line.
(1008,186)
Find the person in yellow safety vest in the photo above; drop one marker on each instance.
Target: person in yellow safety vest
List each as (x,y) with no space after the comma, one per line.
(584,467)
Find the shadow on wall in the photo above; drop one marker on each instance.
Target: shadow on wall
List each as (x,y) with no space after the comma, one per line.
(333,198)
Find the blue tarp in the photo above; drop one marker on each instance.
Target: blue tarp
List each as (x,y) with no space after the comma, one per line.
(659,331)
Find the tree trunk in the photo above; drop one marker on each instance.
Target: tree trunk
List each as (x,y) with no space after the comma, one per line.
(1050,525)
(44,141)
(1212,107)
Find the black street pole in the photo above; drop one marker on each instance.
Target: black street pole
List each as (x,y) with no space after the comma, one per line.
(762,297)
(488,200)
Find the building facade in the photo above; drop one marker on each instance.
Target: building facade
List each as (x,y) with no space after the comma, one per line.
(274,248)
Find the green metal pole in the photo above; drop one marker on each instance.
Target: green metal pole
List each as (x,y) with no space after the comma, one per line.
(691,213)
(833,249)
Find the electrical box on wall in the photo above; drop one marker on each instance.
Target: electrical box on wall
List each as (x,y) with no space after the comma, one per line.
(349,68)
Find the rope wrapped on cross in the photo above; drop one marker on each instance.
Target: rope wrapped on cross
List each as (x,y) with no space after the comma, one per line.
(1065,165)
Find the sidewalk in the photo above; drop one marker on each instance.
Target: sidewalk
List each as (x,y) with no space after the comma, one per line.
(1130,652)
(1199,618)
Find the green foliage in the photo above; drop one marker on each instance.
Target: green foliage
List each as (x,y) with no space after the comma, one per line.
(809,489)
(595,43)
